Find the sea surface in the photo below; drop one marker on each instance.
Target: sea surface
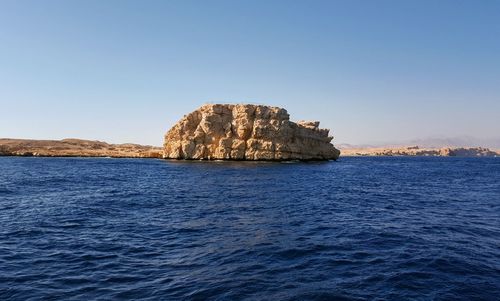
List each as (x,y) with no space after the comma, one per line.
(385,228)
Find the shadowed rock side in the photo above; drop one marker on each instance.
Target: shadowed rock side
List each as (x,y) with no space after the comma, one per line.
(246,132)
(75,148)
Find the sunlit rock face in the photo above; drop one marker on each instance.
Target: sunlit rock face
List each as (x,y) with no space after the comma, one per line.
(246,132)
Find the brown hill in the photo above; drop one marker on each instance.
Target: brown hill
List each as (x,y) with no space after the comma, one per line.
(75,148)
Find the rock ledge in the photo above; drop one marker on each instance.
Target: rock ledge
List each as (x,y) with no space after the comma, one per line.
(246,132)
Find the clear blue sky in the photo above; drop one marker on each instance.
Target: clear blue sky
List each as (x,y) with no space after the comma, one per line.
(125,71)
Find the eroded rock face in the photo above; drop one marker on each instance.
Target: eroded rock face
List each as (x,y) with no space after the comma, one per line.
(246,132)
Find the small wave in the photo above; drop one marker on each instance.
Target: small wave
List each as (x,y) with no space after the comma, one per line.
(369,228)
(326,295)
(293,253)
(6,191)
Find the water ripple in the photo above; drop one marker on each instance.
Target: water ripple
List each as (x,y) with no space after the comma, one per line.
(356,229)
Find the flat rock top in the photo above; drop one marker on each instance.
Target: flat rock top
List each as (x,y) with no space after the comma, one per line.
(246,132)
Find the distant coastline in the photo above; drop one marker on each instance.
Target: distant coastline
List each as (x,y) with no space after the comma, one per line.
(76,148)
(420,151)
(93,148)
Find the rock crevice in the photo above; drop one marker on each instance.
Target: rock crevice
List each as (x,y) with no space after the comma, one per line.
(246,132)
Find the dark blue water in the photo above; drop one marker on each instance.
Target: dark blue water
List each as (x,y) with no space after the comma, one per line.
(359,228)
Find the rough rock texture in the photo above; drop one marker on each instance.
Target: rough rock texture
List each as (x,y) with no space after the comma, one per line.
(417,151)
(246,132)
(75,148)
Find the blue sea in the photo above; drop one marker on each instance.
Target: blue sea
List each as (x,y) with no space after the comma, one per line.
(384,228)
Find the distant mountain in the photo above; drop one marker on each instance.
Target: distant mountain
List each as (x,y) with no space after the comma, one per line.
(432,142)
(350,146)
(419,151)
(460,141)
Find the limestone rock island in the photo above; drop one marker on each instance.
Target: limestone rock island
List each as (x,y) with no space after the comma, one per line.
(246,132)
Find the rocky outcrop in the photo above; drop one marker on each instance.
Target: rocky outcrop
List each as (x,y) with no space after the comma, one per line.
(246,132)
(75,148)
(418,151)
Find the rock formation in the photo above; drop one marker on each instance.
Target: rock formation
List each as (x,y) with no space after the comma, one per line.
(75,148)
(418,151)
(246,132)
